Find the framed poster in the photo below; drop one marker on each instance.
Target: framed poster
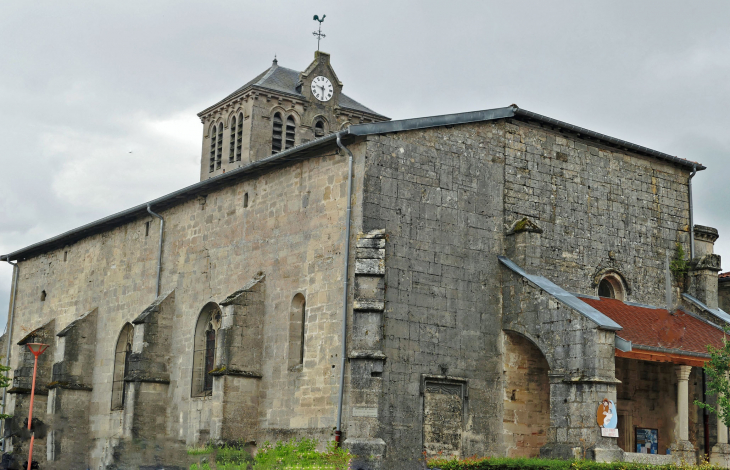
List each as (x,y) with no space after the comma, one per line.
(646,441)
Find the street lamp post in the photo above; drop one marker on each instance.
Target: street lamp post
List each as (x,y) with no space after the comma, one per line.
(37,349)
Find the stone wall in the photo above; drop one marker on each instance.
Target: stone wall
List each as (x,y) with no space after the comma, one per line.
(598,207)
(438,195)
(291,231)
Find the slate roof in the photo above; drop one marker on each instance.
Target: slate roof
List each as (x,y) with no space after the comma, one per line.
(657,328)
(284,80)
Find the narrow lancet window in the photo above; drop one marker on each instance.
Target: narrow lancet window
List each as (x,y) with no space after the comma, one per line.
(297,320)
(290,131)
(276,134)
(121,366)
(204,354)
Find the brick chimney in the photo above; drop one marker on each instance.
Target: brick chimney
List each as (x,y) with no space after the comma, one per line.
(705,266)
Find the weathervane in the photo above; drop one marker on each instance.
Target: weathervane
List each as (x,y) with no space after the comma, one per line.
(319,33)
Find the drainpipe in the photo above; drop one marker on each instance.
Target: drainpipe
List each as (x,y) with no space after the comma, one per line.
(338,429)
(691,216)
(9,334)
(159,251)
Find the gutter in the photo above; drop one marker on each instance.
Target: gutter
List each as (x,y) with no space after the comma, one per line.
(691,216)
(9,334)
(159,251)
(346,277)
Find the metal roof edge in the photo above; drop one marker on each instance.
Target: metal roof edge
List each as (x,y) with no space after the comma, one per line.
(140,209)
(563,296)
(717,312)
(431,121)
(607,138)
(670,350)
(622,344)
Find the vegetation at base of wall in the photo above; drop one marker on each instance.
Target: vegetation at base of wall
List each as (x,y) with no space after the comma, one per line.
(504,463)
(289,455)
(717,370)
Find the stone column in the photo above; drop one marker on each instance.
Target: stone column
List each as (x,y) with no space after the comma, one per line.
(720,453)
(682,448)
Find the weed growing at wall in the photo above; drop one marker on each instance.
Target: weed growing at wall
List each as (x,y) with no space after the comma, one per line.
(500,463)
(290,455)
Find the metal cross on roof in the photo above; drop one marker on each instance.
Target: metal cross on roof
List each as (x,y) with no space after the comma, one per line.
(320,35)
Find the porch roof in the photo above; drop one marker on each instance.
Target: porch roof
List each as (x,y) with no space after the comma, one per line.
(661,334)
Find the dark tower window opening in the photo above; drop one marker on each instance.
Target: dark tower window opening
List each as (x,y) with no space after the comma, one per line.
(245,200)
(232,144)
(276,134)
(612,286)
(290,132)
(605,289)
(147,229)
(209,358)
(239,137)
(319,128)
(43,296)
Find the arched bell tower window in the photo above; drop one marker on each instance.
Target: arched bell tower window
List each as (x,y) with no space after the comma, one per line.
(232,146)
(206,335)
(219,147)
(121,366)
(276,133)
(319,128)
(213,141)
(291,127)
(611,286)
(239,136)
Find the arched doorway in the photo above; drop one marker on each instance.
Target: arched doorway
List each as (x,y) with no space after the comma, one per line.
(526,396)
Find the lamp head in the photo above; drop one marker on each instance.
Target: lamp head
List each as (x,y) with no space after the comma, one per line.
(37,348)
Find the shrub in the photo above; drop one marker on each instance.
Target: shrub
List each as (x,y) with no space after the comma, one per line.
(504,463)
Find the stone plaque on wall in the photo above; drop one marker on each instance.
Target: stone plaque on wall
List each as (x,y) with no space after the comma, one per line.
(443,416)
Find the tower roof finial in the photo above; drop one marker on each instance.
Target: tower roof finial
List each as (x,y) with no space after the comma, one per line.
(275,62)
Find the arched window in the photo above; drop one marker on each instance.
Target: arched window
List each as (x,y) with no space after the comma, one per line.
(232,149)
(290,131)
(276,134)
(206,333)
(121,366)
(213,139)
(297,320)
(239,137)
(319,128)
(611,286)
(219,147)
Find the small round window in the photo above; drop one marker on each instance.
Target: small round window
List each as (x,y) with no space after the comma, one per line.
(611,287)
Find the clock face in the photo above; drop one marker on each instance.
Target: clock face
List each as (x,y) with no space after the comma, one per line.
(322,88)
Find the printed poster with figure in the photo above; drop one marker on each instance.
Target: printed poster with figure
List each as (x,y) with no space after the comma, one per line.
(607,418)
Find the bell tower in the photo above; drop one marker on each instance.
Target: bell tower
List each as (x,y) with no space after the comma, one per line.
(276,111)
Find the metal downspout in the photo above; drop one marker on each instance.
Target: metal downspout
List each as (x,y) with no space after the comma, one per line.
(346,275)
(9,334)
(159,251)
(691,217)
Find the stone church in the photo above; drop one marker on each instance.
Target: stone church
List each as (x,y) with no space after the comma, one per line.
(473,283)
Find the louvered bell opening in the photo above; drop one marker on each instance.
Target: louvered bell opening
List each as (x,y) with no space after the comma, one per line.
(290,127)
(232,144)
(212,151)
(276,135)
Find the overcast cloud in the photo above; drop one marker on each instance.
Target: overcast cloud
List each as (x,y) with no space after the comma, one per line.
(98,100)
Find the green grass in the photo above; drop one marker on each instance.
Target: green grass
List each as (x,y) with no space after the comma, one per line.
(289,455)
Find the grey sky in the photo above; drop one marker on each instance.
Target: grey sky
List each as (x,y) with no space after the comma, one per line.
(98,99)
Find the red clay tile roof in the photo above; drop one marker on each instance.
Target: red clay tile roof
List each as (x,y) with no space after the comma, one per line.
(657,327)
(724,275)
